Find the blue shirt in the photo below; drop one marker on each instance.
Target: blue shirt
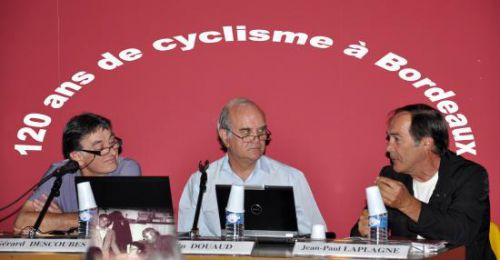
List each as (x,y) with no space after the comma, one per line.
(267,172)
(67,199)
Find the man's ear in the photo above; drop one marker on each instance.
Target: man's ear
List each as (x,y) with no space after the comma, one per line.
(77,156)
(428,143)
(224,136)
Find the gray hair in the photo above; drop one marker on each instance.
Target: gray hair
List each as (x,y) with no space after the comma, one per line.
(223,122)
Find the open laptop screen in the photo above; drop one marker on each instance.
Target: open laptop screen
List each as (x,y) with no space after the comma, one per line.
(269,210)
(130,192)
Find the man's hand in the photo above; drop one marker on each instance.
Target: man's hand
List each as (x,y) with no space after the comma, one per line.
(38,205)
(363,228)
(396,195)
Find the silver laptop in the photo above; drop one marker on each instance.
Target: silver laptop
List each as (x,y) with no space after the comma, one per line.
(269,210)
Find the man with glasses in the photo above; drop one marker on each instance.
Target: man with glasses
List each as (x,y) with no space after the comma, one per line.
(244,135)
(89,140)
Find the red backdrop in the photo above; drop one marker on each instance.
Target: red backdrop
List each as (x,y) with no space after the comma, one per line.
(327,110)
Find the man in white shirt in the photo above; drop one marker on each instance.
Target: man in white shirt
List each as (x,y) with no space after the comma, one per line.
(244,134)
(104,237)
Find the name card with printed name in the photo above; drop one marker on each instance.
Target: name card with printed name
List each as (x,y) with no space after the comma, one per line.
(66,245)
(350,250)
(216,247)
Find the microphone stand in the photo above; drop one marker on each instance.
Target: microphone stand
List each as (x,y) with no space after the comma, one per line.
(194,233)
(53,193)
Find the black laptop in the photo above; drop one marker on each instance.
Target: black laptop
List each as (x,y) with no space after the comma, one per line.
(269,210)
(131,192)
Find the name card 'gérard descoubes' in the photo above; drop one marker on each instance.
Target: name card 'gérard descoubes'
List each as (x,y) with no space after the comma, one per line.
(67,245)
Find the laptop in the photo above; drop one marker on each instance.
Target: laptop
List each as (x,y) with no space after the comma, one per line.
(131,192)
(133,204)
(269,211)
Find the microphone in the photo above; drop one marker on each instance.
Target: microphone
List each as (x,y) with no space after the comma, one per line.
(202,167)
(69,167)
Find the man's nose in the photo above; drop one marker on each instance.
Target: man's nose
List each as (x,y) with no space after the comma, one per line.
(389,148)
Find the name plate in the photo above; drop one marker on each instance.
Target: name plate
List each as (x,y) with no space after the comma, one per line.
(350,250)
(66,245)
(197,247)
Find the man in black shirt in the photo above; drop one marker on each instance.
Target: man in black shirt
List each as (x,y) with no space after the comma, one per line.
(429,191)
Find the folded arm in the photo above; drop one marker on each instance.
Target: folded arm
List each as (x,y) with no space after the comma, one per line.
(53,220)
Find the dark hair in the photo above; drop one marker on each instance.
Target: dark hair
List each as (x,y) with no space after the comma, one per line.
(426,122)
(93,253)
(104,215)
(80,126)
(116,215)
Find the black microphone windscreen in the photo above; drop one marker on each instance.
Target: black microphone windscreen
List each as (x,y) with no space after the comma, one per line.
(70,167)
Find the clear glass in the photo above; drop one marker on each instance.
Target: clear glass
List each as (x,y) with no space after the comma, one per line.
(114,145)
(247,138)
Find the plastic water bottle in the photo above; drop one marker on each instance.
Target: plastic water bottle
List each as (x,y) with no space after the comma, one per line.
(234,225)
(87,222)
(378,227)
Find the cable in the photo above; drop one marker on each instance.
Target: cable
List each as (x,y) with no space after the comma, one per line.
(70,166)
(11,214)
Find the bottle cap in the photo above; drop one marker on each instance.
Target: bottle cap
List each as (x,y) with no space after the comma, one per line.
(236,199)
(85,196)
(374,201)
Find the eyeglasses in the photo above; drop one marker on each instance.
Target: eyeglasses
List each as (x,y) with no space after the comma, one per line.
(247,138)
(115,145)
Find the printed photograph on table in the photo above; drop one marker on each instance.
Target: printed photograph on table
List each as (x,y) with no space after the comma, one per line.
(132,232)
